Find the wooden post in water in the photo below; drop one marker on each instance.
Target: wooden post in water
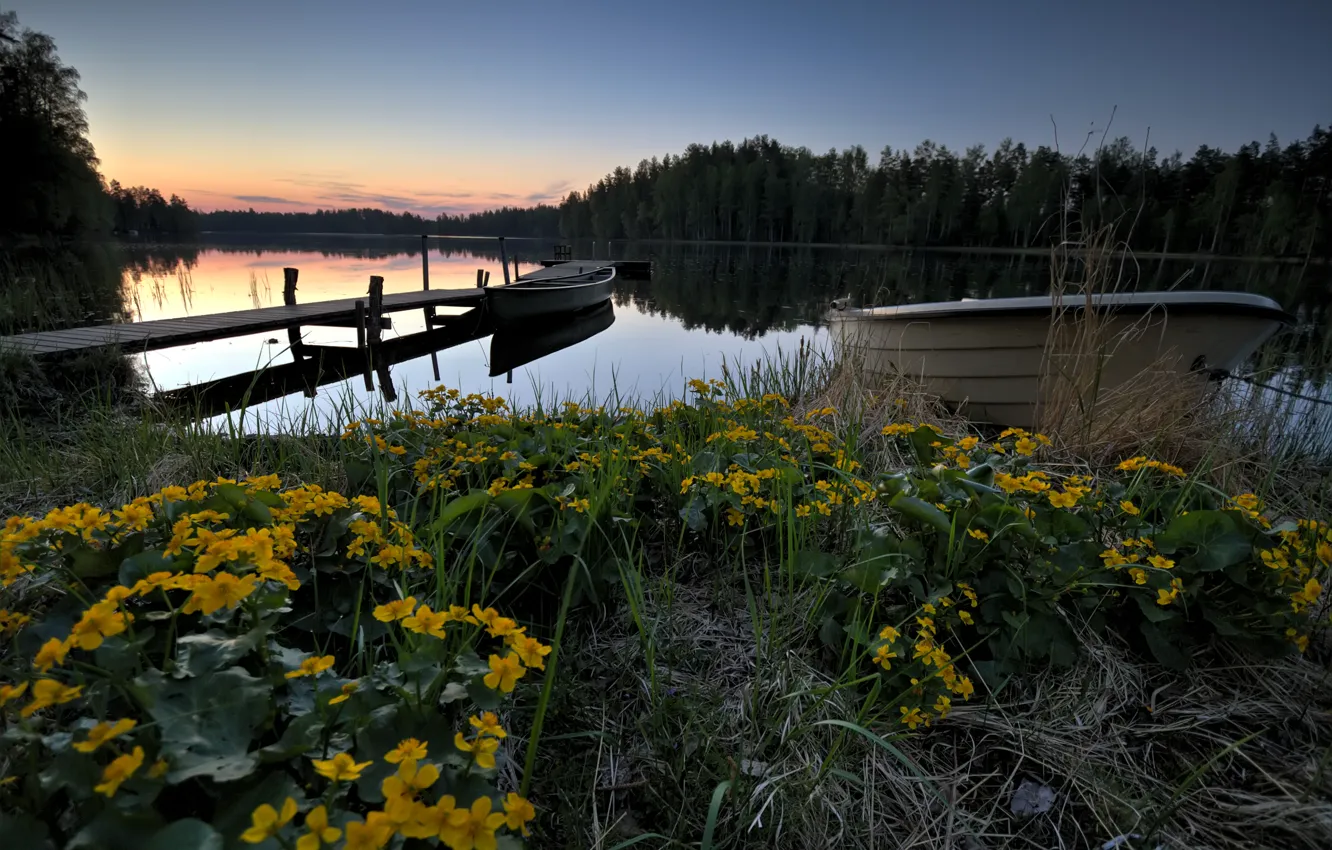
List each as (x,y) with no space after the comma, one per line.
(486,282)
(373,323)
(360,324)
(289,277)
(479,282)
(515,266)
(504,261)
(425,264)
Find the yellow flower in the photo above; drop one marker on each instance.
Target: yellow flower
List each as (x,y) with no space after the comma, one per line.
(517,813)
(395,610)
(459,614)
(345,693)
(1139,575)
(103,732)
(49,692)
(1062,500)
(802,510)
(978,534)
(1160,562)
(119,770)
(408,748)
(312,666)
(52,654)
(409,780)
(734,517)
(487,724)
(942,706)
(341,768)
(882,656)
(9,693)
(912,717)
(496,626)
(1129,508)
(100,621)
(319,832)
(1024,446)
(426,622)
(159,769)
(474,828)
(482,749)
(370,834)
(965,616)
(966,444)
(531,651)
(888,633)
(221,590)
(504,672)
(267,822)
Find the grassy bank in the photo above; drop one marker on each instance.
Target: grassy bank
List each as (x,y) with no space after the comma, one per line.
(787,613)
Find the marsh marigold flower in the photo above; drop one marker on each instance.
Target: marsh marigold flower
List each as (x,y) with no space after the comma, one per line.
(395,610)
(51,654)
(504,672)
(517,813)
(103,732)
(482,749)
(1129,508)
(408,748)
(473,827)
(266,821)
(49,692)
(978,534)
(119,770)
(312,666)
(318,832)
(912,717)
(426,622)
(487,724)
(370,834)
(531,651)
(341,768)
(8,693)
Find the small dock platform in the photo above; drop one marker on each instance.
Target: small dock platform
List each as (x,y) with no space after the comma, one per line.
(628,269)
(164,333)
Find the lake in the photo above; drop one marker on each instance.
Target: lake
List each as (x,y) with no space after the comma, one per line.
(706,305)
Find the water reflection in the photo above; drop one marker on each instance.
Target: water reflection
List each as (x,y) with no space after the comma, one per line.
(704,303)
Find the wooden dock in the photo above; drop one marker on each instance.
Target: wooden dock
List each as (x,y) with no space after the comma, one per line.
(164,333)
(628,269)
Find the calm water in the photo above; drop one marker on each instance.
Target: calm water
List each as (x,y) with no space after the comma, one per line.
(704,306)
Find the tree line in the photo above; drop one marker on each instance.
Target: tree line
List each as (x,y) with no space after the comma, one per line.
(49,166)
(541,221)
(1259,200)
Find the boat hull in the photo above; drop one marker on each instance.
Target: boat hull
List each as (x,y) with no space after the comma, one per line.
(517,345)
(520,302)
(1000,367)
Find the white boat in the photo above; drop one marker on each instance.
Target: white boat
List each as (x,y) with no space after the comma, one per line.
(543,293)
(994,359)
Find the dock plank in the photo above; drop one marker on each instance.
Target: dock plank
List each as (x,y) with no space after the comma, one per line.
(164,333)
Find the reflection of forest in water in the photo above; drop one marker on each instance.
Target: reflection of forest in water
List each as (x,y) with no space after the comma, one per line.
(748,290)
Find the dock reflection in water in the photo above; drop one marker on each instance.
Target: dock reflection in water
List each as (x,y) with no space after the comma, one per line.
(315,366)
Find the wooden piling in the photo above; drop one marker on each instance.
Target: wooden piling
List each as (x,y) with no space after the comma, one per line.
(515,267)
(486,282)
(360,324)
(479,282)
(425,264)
(289,277)
(373,324)
(504,261)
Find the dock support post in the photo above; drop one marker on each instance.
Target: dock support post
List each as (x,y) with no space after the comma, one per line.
(360,324)
(374,326)
(515,267)
(504,261)
(479,282)
(289,277)
(425,264)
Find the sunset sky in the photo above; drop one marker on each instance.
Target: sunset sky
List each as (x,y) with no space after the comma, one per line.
(446,106)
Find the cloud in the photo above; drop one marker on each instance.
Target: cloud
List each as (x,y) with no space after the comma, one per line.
(265,199)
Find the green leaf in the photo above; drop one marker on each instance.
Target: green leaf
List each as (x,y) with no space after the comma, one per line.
(141,565)
(1217,539)
(810,563)
(921,511)
(197,654)
(452,692)
(457,508)
(302,735)
(87,562)
(485,698)
(1165,650)
(1151,611)
(831,633)
(207,723)
(692,514)
(23,832)
(191,833)
(115,829)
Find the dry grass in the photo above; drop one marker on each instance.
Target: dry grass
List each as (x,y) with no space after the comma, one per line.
(1127,748)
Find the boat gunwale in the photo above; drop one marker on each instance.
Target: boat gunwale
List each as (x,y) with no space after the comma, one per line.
(1178,303)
